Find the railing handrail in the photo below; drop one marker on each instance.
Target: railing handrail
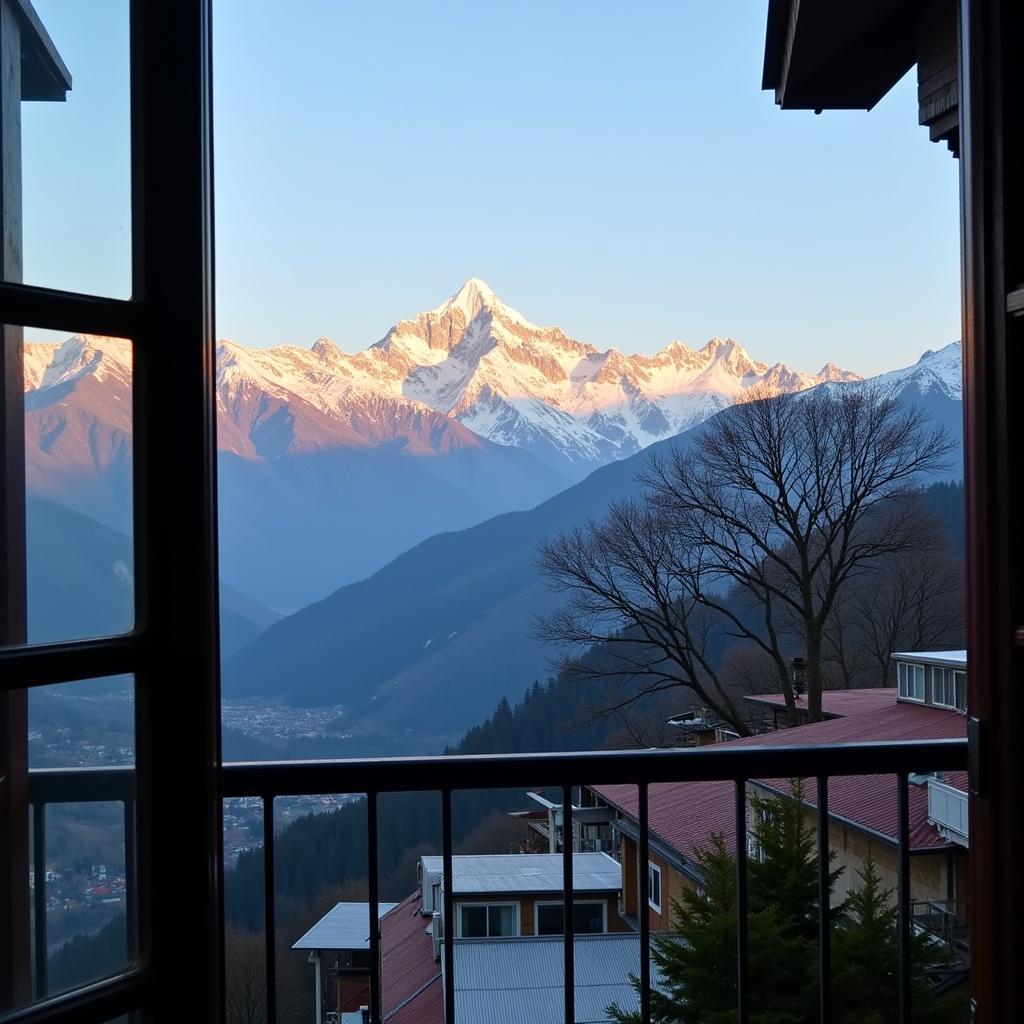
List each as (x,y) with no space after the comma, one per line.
(723,762)
(81,785)
(946,787)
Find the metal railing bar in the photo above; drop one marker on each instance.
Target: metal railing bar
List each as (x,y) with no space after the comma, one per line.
(102,1000)
(448,887)
(485,771)
(270,937)
(903,893)
(568,913)
(373,882)
(742,944)
(643,856)
(824,907)
(81,785)
(39,897)
(27,305)
(44,664)
(130,881)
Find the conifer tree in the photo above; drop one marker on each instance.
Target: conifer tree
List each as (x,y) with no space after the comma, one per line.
(865,976)
(696,962)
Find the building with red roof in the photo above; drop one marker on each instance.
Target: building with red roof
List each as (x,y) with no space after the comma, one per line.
(683,817)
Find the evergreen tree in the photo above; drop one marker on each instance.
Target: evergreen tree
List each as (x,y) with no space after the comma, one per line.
(784,871)
(865,976)
(697,961)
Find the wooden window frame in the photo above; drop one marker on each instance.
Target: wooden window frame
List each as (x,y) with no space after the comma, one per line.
(461,904)
(172,651)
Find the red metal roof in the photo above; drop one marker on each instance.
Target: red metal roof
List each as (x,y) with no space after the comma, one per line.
(685,815)
(410,977)
(836,702)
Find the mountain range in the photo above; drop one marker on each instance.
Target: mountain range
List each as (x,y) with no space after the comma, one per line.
(333,464)
(427,645)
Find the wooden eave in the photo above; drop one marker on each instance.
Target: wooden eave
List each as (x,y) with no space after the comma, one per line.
(44,75)
(837,54)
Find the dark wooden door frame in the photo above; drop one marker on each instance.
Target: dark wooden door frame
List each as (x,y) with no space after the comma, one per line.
(992,191)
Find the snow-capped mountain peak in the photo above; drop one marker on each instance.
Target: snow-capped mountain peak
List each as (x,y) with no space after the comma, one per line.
(80,356)
(469,300)
(470,370)
(938,371)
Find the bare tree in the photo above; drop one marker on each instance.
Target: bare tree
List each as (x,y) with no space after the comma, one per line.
(245,993)
(909,602)
(633,589)
(752,532)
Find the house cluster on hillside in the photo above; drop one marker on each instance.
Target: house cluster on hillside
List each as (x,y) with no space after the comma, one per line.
(508,915)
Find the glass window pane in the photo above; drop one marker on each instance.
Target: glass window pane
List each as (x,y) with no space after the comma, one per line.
(77,835)
(588,918)
(502,920)
(549,919)
(76,166)
(474,922)
(78,483)
(654,886)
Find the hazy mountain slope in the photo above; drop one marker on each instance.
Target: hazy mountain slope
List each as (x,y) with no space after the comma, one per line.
(80,582)
(292,529)
(310,496)
(79,575)
(435,638)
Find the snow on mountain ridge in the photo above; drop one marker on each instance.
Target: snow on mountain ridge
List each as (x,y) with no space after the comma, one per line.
(473,363)
(937,370)
(80,356)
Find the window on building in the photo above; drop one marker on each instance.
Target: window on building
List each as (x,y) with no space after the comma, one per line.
(654,886)
(949,688)
(589,918)
(910,681)
(488,920)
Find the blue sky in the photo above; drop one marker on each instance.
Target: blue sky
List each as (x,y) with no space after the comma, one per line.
(612,168)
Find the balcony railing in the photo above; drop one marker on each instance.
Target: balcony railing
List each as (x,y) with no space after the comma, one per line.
(945,920)
(269,780)
(947,810)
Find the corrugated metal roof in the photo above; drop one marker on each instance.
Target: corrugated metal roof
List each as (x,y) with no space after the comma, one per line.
(513,981)
(344,926)
(841,703)
(410,977)
(955,659)
(528,872)
(685,815)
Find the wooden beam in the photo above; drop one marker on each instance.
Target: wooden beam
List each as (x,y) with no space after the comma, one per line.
(44,75)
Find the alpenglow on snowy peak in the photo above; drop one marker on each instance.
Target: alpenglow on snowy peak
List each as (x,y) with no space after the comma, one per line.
(470,371)
(531,387)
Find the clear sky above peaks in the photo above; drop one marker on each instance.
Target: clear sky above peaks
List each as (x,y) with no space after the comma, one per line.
(615,169)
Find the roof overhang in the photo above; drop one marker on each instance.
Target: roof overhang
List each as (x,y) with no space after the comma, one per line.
(44,75)
(838,54)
